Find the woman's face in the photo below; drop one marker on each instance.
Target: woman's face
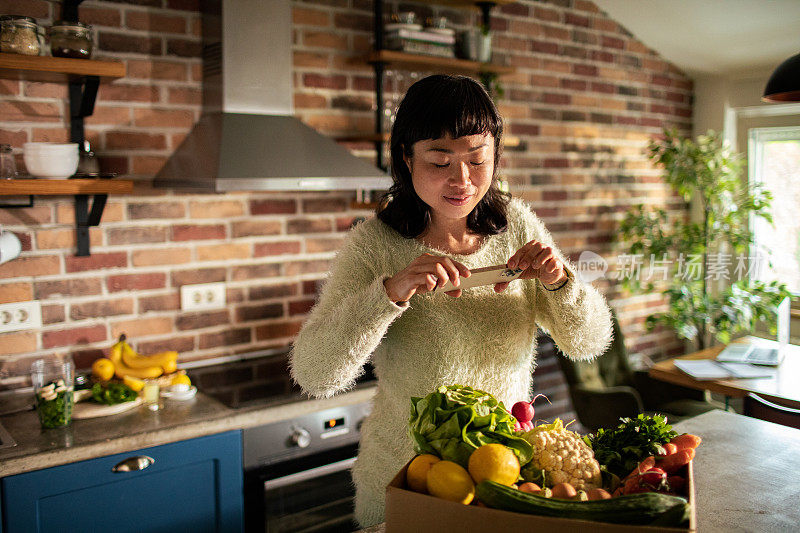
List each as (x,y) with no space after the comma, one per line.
(452,175)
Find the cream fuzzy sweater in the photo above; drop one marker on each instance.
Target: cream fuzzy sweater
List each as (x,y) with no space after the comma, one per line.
(482,339)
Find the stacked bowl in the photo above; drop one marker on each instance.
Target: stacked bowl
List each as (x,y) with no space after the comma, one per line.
(51,160)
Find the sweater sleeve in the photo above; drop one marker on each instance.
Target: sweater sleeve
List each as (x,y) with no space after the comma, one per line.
(347,323)
(575,314)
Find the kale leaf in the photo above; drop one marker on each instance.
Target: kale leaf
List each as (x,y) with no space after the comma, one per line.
(621,448)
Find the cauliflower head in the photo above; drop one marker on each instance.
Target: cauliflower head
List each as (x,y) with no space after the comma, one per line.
(563,456)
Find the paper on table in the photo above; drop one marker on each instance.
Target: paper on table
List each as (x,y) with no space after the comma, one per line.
(707,369)
(702,369)
(746,370)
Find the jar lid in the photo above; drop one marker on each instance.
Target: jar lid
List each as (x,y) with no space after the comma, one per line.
(70,25)
(21,18)
(18,21)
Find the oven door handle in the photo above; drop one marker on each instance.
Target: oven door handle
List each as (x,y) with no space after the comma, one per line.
(312,473)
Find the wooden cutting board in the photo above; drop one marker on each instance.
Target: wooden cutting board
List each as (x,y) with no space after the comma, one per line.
(93,410)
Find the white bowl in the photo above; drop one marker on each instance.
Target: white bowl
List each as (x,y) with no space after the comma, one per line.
(50,166)
(50,147)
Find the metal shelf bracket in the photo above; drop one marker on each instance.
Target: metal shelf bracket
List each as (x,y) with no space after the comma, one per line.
(85,218)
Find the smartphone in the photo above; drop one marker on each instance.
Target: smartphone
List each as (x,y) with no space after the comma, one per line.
(484,276)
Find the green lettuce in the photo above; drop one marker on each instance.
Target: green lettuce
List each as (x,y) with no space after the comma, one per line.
(455,420)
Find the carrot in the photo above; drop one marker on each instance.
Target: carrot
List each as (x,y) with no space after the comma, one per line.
(645,465)
(686,441)
(671,463)
(669,448)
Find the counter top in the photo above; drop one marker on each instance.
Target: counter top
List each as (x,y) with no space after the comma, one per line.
(140,428)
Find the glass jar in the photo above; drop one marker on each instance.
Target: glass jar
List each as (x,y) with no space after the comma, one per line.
(71,39)
(53,384)
(19,35)
(8,167)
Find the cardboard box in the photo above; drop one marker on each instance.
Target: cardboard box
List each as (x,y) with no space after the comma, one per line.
(407,511)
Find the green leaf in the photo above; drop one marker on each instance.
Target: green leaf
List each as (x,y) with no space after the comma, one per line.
(455,420)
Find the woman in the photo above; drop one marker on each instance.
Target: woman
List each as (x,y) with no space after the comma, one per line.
(445,215)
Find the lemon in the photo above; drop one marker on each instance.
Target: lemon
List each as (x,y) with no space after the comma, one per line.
(103,369)
(181,379)
(494,462)
(449,481)
(134,383)
(170,366)
(417,474)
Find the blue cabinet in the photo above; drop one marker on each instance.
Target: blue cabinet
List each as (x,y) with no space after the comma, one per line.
(193,485)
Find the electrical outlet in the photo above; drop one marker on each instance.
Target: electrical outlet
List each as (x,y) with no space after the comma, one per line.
(203,296)
(20,315)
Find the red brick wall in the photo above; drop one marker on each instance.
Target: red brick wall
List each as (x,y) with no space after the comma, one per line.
(584,101)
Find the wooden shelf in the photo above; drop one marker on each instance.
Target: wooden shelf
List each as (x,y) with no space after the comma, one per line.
(474,3)
(446,64)
(23,187)
(509,141)
(45,68)
(363,137)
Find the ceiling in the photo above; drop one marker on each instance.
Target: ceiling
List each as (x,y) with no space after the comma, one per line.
(731,38)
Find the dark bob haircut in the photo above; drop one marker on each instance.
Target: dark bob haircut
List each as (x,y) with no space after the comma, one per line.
(432,108)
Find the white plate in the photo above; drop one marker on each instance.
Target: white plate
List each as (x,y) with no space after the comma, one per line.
(93,410)
(179,395)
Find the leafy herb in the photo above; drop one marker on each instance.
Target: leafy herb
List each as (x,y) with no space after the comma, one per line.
(455,420)
(56,412)
(622,448)
(112,393)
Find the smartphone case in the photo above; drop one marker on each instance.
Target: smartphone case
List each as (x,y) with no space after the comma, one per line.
(484,276)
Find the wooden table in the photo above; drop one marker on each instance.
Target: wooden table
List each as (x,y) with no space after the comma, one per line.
(782,388)
(744,473)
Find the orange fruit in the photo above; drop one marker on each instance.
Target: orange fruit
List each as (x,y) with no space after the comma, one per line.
(181,379)
(103,369)
(417,473)
(450,481)
(494,462)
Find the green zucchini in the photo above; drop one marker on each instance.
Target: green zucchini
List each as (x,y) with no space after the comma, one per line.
(640,509)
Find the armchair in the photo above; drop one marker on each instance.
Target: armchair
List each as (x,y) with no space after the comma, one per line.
(608,388)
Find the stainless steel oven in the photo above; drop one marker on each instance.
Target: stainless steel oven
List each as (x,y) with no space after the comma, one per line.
(297,472)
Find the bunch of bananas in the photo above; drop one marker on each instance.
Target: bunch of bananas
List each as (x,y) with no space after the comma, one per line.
(129,363)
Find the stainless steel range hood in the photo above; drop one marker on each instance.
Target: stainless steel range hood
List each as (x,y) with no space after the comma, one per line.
(247,138)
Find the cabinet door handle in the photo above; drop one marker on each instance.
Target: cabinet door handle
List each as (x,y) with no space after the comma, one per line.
(132,464)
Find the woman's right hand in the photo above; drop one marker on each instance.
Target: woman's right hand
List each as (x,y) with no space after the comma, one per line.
(424,274)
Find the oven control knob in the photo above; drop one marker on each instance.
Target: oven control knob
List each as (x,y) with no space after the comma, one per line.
(301,438)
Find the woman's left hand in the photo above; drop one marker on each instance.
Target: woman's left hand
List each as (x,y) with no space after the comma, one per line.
(537,261)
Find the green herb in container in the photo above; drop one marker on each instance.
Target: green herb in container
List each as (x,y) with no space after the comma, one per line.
(53,383)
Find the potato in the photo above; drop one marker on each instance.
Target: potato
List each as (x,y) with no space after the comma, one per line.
(530,487)
(564,491)
(598,494)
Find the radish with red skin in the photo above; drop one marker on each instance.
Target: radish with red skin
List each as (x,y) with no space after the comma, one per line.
(653,476)
(524,412)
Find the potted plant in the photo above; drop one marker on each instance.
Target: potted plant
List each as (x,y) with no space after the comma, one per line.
(692,255)
(485,44)
(491,81)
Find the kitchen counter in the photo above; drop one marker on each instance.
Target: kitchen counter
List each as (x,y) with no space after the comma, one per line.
(140,428)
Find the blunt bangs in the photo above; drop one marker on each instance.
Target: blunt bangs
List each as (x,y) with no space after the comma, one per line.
(457,109)
(435,107)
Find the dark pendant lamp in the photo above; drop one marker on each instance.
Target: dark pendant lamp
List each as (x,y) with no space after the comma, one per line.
(784,84)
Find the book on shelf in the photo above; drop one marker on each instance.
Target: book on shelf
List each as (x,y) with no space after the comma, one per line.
(422,35)
(421,48)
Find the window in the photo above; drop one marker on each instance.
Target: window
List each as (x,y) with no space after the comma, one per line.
(774,161)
